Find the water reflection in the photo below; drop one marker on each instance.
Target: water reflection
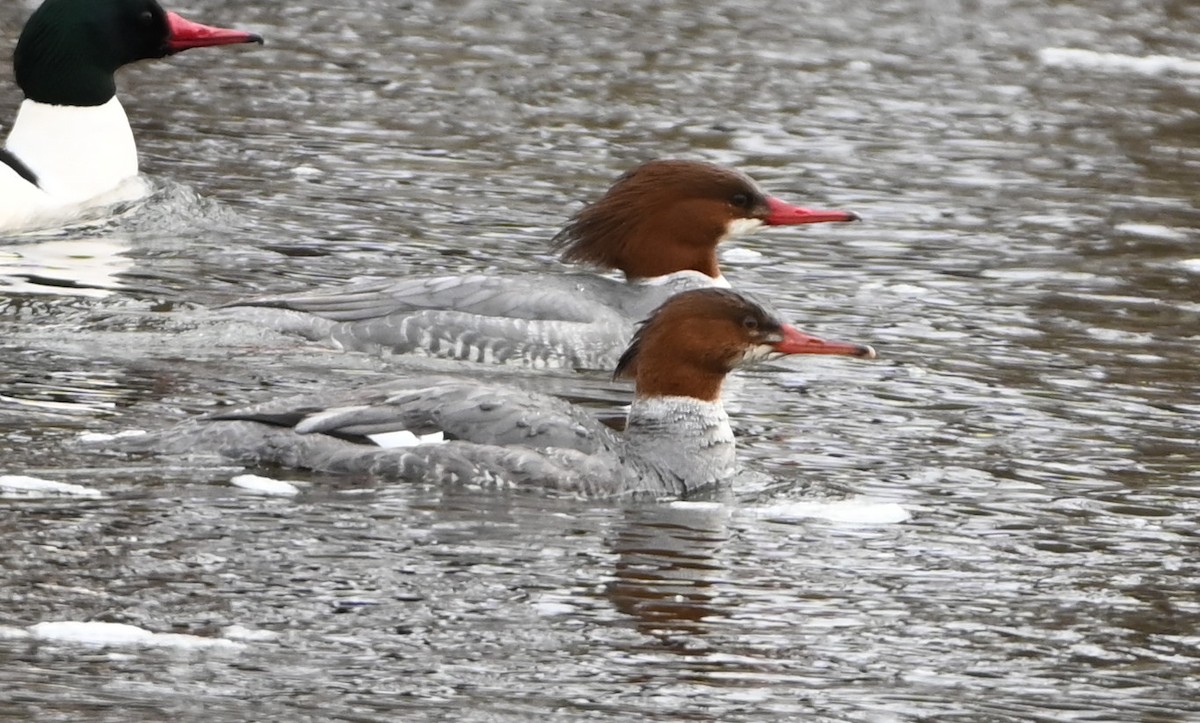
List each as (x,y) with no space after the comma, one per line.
(668,575)
(75,266)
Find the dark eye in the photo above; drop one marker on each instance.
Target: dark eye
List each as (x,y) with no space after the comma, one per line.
(750,323)
(146,18)
(740,200)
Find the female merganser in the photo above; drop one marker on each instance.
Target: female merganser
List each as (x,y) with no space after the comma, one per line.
(659,224)
(677,437)
(71,147)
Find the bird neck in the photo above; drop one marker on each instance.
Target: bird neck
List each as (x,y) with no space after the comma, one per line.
(687,441)
(76,152)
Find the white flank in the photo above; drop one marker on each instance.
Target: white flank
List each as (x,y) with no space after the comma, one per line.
(405,438)
(22,486)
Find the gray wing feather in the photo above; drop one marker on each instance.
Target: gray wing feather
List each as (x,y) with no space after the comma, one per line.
(463,463)
(464,336)
(553,323)
(563,298)
(255,444)
(491,414)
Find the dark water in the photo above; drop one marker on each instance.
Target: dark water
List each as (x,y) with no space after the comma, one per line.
(1027,270)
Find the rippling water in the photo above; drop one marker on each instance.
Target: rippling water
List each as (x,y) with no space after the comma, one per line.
(1027,269)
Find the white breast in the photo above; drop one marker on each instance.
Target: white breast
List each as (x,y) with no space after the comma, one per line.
(83,156)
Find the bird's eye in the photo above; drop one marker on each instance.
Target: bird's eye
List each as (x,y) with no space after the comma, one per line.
(750,323)
(740,200)
(146,18)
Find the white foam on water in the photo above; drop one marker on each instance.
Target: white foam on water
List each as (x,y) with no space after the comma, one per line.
(853,511)
(696,505)
(265,485)
(15,485)
(1140,65)
(249,635)
(1153,230)
(553,608)
(105,437)
(7,632)
(96,634)
(737,255)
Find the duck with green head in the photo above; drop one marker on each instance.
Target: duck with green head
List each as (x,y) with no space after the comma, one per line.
(71,148)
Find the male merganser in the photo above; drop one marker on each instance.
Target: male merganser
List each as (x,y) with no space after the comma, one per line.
(71,147)
(659,224)
(677,437)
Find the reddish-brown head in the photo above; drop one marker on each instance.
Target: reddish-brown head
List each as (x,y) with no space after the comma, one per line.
(695,338)
(666,216)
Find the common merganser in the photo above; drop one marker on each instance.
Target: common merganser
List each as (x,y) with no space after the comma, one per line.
(659,224)
(71,148)
(677,437)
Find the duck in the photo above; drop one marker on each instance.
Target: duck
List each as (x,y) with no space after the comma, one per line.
(677,438)
(658,226)
(70,149)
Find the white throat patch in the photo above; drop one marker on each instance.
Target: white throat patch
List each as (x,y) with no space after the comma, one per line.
(741,227)
(759,352)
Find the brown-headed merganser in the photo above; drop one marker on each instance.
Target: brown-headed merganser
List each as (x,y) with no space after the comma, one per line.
(659,224)
(677,437)
(71,148)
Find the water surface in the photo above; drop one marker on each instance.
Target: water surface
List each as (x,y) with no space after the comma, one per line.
(1027,269)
